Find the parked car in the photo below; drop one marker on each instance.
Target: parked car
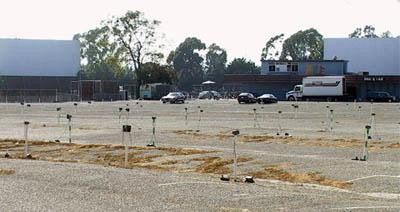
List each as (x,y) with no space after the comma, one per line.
(209,95)
(216,95)
(205,95)
(378,96)
(246,98)
(174,97)
(267,99)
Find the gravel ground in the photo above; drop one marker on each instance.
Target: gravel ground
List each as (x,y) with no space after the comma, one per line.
(41,185)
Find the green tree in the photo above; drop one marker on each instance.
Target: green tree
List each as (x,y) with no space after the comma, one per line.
(155,73)
(386,34)
(242,66)
(367,32)
(215,64)
(357,33)
(270,51)
(101,58)
(187,61)
(138,38)
(303,45)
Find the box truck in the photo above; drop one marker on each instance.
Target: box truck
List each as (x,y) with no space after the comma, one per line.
(329,88)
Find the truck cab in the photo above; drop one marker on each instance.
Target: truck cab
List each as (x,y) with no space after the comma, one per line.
(295,94)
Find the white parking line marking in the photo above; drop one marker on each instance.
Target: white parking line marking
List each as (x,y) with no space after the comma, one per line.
(366,207)
(372,176)
(204,182)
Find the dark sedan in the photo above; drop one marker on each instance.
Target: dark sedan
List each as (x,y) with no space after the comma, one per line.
(380,97)
(246,98)
(174,97)
(267,99)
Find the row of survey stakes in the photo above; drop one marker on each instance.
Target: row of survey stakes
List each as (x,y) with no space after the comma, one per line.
(127,134)
(126,128)
(370,131)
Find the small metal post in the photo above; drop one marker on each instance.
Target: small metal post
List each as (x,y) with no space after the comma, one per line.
(153,137)
(69,117)
(331,121)
(119,114)
(126,129)
(398,128)
(372,106)
(186,118)
(255,117)
(279,123)
(26,124)
(59,114)
(127,115)
(141,112)
(354,104)
(366,138)
(22,109)
(262,114)
(199,120)
(76,107)
(296,109)
(373,126)
(235,136)
(359,112)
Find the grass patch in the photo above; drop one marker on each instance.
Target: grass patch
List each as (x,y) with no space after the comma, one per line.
(6,172)
(217,165)
(276,173)
(181,151)
(394,146)
(169,162)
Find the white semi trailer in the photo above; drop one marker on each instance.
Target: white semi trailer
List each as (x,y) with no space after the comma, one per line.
(329,88)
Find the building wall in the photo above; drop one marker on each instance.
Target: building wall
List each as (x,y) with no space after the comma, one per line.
(35,89)
(95,90)
(308,68)
(277,85)
(378,56)
(21,57)
(280,84)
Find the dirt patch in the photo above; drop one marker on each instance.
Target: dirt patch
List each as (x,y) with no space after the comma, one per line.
(256,138)
(319,142)
(217,165)
(181,151)
(169,162)
(6,172)
(101,154)
(159,158)
(394,146)
(119,159)
(199,135)
(277,173)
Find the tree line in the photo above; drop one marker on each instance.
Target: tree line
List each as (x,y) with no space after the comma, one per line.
(128,48)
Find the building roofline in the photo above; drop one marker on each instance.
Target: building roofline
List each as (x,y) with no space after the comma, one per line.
(296,61)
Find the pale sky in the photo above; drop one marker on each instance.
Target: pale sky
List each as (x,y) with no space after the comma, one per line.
(241,27)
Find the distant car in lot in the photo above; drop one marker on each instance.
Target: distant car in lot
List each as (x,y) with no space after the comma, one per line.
(378,96)
(246,98)
(267,99)
(173,98)
(210,95)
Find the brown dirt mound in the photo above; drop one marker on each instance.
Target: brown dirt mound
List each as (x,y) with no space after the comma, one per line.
(181,151)
(6,172)
(276,173)
(394,146)
(169,162)
(217,165)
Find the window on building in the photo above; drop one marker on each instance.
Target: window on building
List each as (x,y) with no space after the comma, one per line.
(271,67)
(295,67)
